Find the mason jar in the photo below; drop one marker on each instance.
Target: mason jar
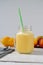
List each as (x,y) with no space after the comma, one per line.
(25,40)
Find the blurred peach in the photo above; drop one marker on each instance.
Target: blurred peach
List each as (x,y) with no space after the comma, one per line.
(11,42)
(41,42)
(4,41)
(35,41)
(8,41)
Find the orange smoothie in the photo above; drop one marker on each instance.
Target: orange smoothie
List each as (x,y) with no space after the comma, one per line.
(24,42)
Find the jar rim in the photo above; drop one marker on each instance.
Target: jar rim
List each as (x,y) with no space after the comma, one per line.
(28,27)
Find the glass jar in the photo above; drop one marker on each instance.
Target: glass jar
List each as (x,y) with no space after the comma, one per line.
(25,40)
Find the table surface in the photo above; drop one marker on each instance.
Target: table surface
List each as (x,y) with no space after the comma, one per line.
(15,58)
(9,63)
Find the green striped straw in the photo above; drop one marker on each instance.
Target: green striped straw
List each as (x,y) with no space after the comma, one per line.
(21,21)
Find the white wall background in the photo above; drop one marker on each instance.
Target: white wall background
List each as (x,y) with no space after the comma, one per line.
(32,13)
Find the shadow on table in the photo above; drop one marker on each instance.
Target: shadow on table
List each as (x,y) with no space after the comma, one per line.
(37,51)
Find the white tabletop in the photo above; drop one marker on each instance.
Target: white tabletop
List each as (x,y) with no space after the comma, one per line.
(9,63)
(15,58)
